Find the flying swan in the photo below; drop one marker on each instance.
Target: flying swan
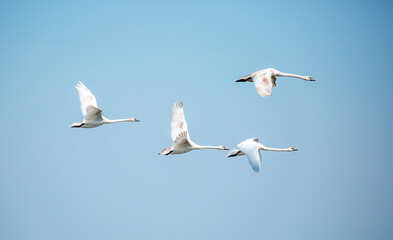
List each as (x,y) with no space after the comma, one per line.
(265,79)
(251,147)
(91,113)
(181,139)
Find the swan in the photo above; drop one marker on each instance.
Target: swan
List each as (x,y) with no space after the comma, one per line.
(91,113)
(251,147)
(265,79)
(181,139)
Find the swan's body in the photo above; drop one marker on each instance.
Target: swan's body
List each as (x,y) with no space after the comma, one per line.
(251,147)
(265,79)
(181,139)
(91,113)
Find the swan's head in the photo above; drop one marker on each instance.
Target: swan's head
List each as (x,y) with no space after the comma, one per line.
(134,119)
(292,149)
(222,148)
(310,78)
(166,151)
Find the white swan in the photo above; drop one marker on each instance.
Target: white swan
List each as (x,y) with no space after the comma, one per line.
(90,111)
(181,140)
(265,79)
(251,147)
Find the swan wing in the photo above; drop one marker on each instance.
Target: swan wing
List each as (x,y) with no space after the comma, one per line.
(182,140)
(250,148)
(264,83)
(86,97)
(93,114)
(178,122)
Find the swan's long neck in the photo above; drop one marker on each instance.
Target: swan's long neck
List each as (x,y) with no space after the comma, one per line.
(281,74)
(206,147)
(262,147)
(117,120)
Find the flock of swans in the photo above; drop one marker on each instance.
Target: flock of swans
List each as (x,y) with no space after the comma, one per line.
(264,80)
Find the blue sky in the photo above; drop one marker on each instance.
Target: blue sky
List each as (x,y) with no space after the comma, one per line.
(140,58)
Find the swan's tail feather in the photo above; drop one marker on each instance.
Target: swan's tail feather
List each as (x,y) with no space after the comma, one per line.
(247,78)
(77,125)
(234,153)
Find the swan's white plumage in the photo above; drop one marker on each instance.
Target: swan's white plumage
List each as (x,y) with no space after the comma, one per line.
(182,140)
(180,137)
(263,85)
(250,148)
(178,121)
(86,97)
(92,115)
(265,79)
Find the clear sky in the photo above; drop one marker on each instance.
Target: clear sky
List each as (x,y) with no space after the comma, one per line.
(139,58)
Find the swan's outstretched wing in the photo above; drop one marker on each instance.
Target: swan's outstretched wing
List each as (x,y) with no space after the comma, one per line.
(86,97)
(93,114)
(250,148)
(264,83)
(178,122)
(182,140)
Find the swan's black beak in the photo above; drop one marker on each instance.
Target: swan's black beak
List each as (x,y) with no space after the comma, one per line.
(312,79)
(137,120)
